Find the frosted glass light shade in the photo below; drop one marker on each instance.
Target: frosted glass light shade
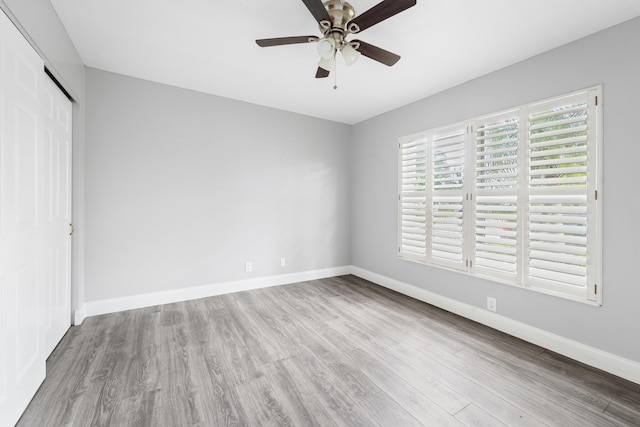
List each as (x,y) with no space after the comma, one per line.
(350,55)
(326,48)
(328,64)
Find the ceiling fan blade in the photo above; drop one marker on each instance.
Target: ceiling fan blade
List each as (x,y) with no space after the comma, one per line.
(317,9)
(378,13)
(377,54)
(286,40)
(322,73)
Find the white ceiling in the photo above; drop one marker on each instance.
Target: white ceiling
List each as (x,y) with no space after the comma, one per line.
(208,46)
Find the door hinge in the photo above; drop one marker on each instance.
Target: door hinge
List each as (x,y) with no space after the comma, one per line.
(595,289)
(71,230)
(596,194)
(596,101)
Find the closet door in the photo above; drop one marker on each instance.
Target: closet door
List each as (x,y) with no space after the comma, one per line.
(56,145)
(22,230)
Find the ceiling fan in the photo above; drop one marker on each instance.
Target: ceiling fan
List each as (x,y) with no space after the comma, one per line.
(337,20)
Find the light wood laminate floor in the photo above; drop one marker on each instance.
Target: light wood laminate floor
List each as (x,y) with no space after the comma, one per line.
(332,352)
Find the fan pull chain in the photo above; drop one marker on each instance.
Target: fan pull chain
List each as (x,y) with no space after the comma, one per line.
(335,78)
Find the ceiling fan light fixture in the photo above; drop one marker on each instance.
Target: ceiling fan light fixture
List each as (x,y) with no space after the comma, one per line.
(350,54)
(327,48)
(328,64)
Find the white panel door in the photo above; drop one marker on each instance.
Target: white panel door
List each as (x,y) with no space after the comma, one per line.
(22,254)
(56,138)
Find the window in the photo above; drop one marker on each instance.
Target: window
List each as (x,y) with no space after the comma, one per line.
(511,197)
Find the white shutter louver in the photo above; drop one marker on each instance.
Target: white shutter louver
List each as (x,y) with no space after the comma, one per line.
(496,189)
(558,195)
(413,193)
(447,218)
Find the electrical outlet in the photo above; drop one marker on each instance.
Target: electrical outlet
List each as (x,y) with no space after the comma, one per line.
(491,304)
(283,262)
(248,266)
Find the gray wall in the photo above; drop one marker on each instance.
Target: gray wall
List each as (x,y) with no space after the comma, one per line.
(183,188)
(612,58)
(39,23)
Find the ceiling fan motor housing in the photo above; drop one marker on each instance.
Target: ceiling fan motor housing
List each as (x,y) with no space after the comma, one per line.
(341,13)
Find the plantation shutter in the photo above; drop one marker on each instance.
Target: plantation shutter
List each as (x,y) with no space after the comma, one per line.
(412,233)
(511,197)
(561,208)
(447,201)
(495,251)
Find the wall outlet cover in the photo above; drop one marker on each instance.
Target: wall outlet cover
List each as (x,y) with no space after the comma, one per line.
(491,304)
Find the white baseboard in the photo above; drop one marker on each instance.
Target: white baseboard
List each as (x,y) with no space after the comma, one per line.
(113,305)
(597,358)
(591,356)
(79,315)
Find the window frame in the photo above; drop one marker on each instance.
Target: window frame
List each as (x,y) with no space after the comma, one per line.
(589,292)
